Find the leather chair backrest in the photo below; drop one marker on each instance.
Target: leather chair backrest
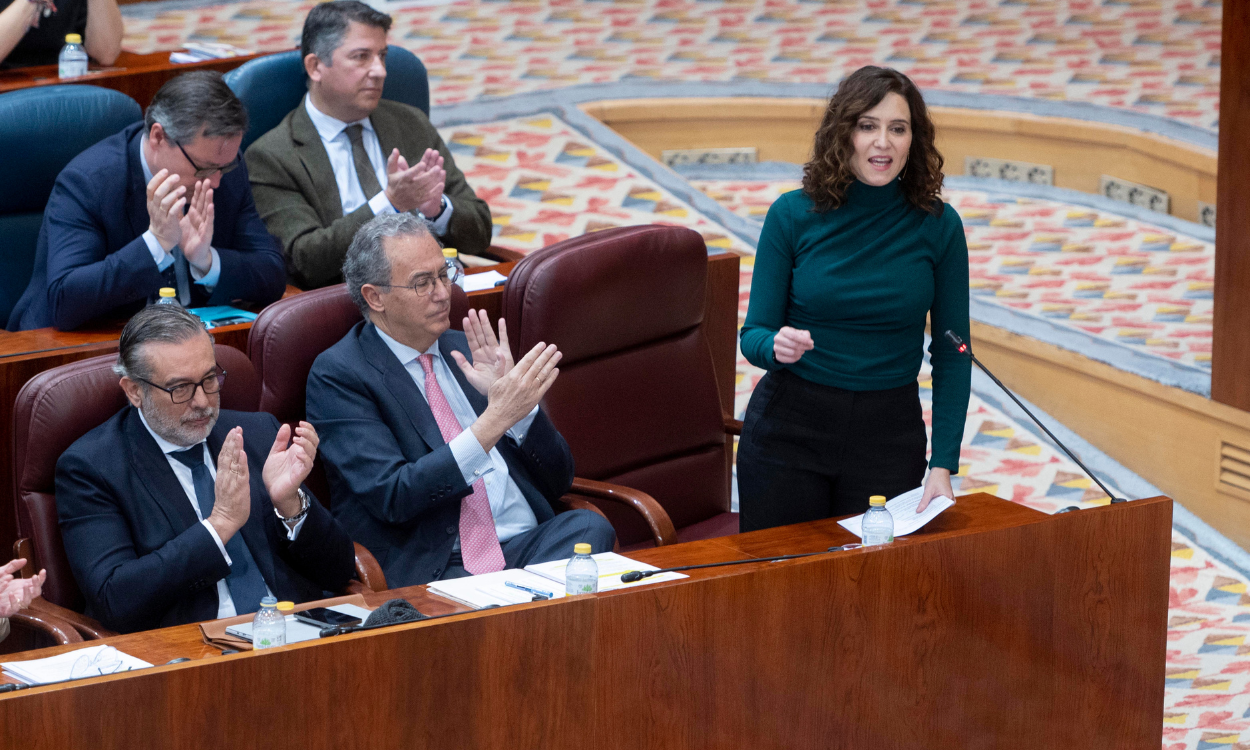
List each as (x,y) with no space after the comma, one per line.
(273,85)
(53,410)
(42,129)
(637,398)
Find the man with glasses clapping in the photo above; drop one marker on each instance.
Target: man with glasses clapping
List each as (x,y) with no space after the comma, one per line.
(439,458)
(177,511)
(164,203)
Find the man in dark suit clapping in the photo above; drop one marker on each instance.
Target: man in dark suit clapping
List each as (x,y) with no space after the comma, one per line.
(175,511)
(164,203)
(439,458)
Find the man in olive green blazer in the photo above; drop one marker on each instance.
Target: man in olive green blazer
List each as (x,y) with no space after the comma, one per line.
(342,156)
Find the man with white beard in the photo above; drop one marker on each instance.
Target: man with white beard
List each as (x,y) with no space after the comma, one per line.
(175,511)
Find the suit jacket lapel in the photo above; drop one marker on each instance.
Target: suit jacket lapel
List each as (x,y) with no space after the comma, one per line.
(136,189)
(254,531)
(312,154)
(390,132)
(156,477)
(400,384)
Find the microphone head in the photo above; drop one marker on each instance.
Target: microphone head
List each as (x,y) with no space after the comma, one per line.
(954,338)
(631,576)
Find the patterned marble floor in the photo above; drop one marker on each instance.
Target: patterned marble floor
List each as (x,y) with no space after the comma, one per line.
(1149,56)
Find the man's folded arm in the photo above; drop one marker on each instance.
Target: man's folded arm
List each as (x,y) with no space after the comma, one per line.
(361,451)
(127,591)
(313,252)
(84,279)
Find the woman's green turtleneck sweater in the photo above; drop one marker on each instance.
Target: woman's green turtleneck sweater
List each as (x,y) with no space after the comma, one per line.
(861,278)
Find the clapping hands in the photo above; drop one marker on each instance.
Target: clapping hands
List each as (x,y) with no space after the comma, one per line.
(17,593)
(491,357)
(417,187)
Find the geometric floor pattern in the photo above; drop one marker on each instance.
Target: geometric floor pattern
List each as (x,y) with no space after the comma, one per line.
(1153,56)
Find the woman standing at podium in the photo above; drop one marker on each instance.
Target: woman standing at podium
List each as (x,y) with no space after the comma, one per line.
(846,272)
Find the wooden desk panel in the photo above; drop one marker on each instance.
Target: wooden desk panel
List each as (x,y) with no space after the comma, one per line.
(1021,630)
(136,76)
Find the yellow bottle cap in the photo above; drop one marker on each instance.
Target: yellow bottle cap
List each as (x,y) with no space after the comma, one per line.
(876,500)
(450,252)
(73,39)
(169,291)
(581,548)
(286,606)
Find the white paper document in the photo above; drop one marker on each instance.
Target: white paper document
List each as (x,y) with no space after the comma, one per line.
(611,566)
(92,661)
(476,282)
(297,631)
(491,589)
(903,509)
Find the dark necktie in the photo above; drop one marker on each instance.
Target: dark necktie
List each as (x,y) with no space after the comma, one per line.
(364,170)
(182,276)
(247,586)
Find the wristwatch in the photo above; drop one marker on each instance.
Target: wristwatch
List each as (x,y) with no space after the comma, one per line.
(305,504)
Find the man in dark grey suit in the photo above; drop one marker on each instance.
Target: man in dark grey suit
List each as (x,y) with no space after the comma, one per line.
(345,155)
(175,510)
(440,461)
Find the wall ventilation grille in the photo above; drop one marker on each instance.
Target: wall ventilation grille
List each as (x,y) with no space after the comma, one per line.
(1234,467)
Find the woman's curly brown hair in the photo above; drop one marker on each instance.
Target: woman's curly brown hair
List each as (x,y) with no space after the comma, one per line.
(828,175)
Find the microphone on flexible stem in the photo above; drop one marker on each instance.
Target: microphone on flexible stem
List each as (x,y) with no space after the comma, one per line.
(963,348)
(637,575)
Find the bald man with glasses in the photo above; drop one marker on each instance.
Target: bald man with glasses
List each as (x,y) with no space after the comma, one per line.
(176,510)
(164,203)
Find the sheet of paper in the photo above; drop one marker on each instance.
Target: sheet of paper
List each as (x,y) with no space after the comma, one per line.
(611,566)
(490,589)
(296,631)
(91,661)
(476,282)
(903,509)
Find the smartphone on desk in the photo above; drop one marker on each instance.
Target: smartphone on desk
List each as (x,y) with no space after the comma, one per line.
(326,618)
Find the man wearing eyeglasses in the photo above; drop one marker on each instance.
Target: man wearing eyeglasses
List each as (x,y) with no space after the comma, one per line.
(176,510)
(439,458)
(164,203)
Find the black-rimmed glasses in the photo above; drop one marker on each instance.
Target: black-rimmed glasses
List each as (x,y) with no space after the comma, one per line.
(203,172)
(184,392)
(424,285)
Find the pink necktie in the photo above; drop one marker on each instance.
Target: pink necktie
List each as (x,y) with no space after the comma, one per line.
(479,545)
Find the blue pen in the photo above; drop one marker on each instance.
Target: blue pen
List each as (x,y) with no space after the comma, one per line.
(528,590)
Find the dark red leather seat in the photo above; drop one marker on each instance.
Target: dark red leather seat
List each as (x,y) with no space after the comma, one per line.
(53,410)
(288,336)
(636,398)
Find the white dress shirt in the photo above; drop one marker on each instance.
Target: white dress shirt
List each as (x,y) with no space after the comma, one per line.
(225,604)
(339,149)
(512,512)
(165,260)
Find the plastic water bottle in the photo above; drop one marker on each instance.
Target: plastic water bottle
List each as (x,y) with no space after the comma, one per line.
(878,524)
(581,576)
(452,256)
(169,296)
(72,61)
(269,625)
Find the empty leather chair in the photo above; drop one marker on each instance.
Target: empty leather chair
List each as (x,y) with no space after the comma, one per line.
(43,129)
(288,336)
(273,85)
(53,410)
(637,397)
